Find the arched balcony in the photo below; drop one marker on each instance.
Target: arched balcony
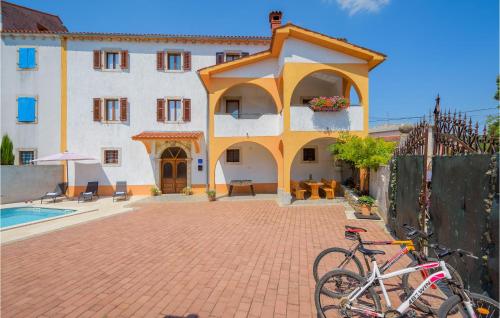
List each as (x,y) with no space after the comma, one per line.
(247,110)
(328,84)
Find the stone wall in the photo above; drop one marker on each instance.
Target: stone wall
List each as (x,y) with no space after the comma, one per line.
(379,187)
(25,183)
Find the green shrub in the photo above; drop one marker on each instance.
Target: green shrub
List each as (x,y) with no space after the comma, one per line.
(366,200)
(6,149)
(155,191)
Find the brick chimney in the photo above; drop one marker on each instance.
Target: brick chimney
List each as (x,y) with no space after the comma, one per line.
(275,19)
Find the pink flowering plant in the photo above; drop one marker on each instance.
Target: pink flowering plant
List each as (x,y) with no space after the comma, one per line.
(334,103)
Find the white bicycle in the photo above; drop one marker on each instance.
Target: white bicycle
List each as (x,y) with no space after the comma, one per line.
(350,294)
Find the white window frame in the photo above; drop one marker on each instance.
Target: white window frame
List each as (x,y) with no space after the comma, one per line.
(103,157)
(17,160)
(36,110)
(240,156)
(179,98)
(316,153)
(36,58)
(173,51)
(104,110)
(104,59)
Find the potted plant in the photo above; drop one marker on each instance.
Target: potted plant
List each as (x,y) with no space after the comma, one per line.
(155,191)
(211,195)
(366,202)
(187,191)
(329,104)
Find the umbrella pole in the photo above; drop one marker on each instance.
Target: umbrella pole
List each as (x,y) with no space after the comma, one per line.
(67,175)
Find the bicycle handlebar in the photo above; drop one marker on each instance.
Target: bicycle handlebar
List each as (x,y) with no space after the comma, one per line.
(443,251)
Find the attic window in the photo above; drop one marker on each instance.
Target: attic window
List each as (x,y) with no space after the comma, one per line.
(40,27)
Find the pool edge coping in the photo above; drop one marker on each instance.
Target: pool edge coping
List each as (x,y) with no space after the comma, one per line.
(47,219)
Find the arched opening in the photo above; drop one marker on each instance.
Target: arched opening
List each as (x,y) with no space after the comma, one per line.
(246,109)
(246,161)
(173,170)
(314,162)
(325,84)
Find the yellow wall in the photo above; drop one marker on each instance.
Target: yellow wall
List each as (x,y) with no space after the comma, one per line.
(288,144)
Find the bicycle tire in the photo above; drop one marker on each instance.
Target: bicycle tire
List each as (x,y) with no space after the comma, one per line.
(338,272)
(419,304)
(330,251)
(477,300)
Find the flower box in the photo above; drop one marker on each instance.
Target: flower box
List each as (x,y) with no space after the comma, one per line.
(329,104)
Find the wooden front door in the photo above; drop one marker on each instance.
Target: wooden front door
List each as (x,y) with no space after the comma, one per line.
(173,171)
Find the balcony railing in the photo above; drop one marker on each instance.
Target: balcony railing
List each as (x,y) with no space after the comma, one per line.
(247,124)
(302,118)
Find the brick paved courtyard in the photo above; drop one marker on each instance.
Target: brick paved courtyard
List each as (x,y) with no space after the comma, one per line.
(222,259)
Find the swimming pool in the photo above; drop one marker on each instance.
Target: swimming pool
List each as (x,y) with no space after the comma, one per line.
(20,215)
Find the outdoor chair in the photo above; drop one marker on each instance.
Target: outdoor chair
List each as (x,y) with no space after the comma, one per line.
(59,191)
(329,188)
(297,190)
(90,192)
(121,190)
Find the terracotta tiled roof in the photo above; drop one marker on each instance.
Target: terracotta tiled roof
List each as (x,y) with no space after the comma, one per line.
(19,18)
(168,135)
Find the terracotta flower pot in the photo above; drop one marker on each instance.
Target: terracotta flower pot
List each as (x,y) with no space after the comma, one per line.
(366,209)
(211,198)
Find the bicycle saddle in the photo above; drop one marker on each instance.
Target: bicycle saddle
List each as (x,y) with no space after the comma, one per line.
(354,229)
(368,252)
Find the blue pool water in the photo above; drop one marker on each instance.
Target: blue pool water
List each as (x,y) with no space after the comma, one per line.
(15,216)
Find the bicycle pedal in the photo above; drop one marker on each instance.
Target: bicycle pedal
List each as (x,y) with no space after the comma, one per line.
(410,314)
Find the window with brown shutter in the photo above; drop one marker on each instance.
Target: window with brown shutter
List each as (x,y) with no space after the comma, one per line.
(97,60)
(124,60)
(187,61)
(160,110)
(97,109)
(219,57)
(123,109)
(160,60)
(187,109)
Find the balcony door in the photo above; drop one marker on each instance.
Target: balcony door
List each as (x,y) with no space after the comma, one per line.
(173,170)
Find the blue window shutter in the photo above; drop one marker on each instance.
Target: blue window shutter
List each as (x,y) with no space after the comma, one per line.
(31,58)
(26,112)
(27,57)
(23,57)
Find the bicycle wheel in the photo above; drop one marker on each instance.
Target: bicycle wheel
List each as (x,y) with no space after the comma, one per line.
(333,258)
(482,305)
(434,296)
(338,284)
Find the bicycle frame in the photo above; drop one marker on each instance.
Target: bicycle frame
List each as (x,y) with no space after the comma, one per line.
(377,276)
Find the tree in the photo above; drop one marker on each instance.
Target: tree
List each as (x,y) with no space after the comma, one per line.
(493,121)
(6,151)
(363,153)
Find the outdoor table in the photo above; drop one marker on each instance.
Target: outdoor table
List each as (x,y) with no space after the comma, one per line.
(241,183)
(314,186)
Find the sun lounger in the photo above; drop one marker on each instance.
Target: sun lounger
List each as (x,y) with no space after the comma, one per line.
(59,191)
(90,192)
(121,190)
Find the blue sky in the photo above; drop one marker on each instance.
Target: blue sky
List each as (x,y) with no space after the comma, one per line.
(450,47)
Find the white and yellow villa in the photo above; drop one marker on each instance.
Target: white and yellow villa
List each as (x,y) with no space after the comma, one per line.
(176,111)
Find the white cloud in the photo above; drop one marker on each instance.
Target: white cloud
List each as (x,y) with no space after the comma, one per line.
(355,6)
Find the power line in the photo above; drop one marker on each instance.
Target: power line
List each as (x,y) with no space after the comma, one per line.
(377,119)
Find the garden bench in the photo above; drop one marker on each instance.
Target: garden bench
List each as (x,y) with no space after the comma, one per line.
(329,188)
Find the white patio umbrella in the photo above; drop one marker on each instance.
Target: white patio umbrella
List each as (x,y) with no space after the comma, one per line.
(64,156)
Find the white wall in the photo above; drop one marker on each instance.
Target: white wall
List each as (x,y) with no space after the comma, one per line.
(302,118)
(142,84)
(266,68)
(311,86)
(43,83)
(298,51)
(25,183)
(323,168)
(257,164)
